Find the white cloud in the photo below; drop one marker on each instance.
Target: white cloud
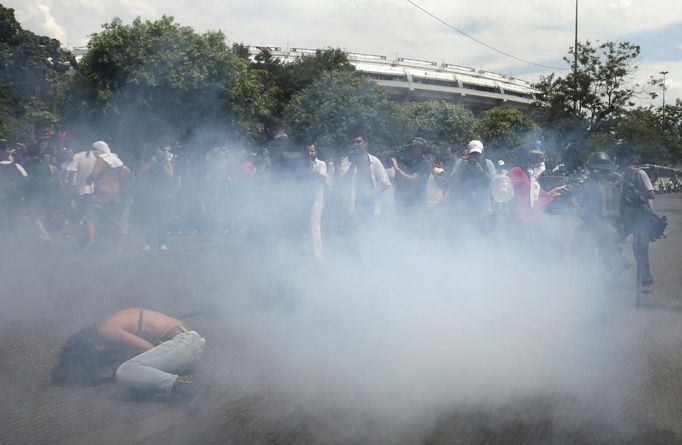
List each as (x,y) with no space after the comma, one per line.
(38,17)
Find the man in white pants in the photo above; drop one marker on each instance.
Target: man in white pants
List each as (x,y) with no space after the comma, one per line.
(321,180)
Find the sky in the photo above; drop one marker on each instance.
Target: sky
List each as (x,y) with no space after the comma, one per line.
(539,31)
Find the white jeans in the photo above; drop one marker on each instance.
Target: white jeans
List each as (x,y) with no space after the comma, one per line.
(157,369)
(316,229)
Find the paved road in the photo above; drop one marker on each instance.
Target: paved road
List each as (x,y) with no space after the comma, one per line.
(50,292)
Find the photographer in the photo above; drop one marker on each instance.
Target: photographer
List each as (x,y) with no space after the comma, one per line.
(411,180)
(635,206)
(159,184)
(469,191)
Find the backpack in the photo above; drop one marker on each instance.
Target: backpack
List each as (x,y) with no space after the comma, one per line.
(636,207)
(654,225)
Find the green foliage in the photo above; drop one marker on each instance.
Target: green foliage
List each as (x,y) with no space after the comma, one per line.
(441,123)
(151,82)
(284,80)
(31,69)
(337,104)
(600,88)
(647,132)
(573,108)
(506,128)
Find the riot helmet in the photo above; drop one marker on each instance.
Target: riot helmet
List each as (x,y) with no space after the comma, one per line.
(600,160)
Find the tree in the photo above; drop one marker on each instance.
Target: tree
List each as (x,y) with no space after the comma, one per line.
(572,108)
(338,103)
(32,68)
(639,130)
(286,79)
(503,129)
(441,123)
(156,81)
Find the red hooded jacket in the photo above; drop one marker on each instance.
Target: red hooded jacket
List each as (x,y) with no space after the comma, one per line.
(520,210)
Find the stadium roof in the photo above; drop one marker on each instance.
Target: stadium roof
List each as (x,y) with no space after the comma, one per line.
(415,79)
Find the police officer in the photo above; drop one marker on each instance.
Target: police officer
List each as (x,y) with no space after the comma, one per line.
(598,201)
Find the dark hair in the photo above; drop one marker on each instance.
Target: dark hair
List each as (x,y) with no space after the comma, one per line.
(33,151)
(358,132)
(80,361)
(274,123)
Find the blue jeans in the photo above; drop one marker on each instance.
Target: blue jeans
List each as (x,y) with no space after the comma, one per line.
(157,369)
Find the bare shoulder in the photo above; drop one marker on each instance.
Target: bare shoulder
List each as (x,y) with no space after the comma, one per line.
(120,318)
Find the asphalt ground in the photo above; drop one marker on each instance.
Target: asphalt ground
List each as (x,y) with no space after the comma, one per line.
(49,291)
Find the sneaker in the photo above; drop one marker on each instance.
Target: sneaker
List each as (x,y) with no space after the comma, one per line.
(146,247)
(163,247)
(647,287)
(183,391)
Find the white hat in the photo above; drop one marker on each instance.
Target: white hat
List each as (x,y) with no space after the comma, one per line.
(475,146)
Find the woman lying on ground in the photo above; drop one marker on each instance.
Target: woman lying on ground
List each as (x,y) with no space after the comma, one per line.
(142,349)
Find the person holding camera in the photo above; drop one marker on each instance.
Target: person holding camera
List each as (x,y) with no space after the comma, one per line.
(469,191)
(158,175)
(411,181)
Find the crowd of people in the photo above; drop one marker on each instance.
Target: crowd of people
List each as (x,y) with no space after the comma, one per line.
(286,192)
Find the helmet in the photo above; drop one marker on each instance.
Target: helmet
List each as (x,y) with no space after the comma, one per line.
(600,160)
(599,157)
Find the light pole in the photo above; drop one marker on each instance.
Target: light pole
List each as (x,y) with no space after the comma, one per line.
(663,108)
(575,62)
(664,73)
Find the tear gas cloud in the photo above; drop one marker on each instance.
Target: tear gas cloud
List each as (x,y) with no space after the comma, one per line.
(405,328)
(397,329)
(392,330)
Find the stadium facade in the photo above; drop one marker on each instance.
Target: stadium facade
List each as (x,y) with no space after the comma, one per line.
(411,80)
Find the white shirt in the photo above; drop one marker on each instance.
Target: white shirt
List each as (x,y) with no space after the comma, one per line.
(377,173)
(82,164)
(320,170)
